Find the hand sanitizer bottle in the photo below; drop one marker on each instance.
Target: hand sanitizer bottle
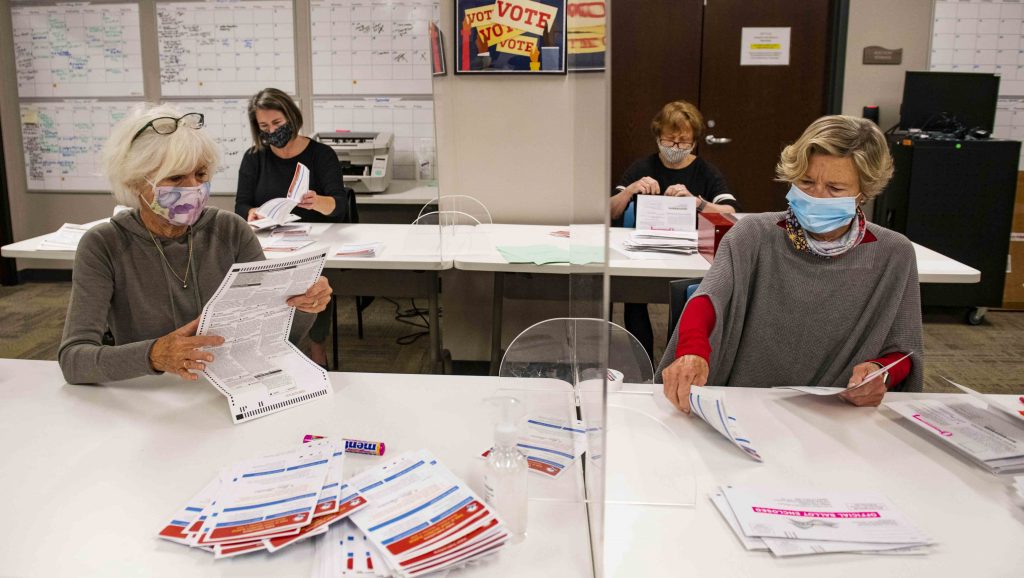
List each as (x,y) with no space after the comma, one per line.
(506,470)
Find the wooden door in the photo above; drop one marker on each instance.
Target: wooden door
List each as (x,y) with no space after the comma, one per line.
(655,58)
(760,108)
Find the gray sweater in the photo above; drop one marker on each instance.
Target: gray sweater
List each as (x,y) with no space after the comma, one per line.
(785,317)
(120,283)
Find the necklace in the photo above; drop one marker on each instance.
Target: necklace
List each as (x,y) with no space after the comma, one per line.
(188,266)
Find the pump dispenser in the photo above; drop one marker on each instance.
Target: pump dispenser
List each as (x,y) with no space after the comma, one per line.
(506,470)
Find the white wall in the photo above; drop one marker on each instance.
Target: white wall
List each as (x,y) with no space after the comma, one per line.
(905,24)
(532,150)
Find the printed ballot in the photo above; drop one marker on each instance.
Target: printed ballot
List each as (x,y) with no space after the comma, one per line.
(257,369)
(663,213)
(422,518)
(816,390)
(795,523)
(551,445)
(278,211)
(708,403)
(268,503)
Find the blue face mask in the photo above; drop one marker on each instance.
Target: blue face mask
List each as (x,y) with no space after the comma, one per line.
(821,215)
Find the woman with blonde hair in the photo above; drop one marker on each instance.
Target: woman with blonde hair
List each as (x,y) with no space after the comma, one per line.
(141,280)
(814,295)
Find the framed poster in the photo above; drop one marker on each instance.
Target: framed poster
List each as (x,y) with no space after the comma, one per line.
(585,23)
(510,37)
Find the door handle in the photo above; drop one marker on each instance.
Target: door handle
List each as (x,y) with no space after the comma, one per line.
(713,140)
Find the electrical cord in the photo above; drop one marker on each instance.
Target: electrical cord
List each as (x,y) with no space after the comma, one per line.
(404,316)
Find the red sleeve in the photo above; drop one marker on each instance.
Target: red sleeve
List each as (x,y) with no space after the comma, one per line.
(898,372)
(695,327)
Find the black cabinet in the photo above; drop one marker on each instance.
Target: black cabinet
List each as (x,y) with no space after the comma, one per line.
(955,197)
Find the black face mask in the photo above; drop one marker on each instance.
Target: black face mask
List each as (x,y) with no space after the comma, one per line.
(278,138)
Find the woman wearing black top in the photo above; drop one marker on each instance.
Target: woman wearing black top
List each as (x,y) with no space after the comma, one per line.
(675,171)
(268,167)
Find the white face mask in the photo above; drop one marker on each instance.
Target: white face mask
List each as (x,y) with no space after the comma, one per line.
(672,155)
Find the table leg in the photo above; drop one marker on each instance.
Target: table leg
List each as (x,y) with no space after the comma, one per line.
(434,318)
(497,305)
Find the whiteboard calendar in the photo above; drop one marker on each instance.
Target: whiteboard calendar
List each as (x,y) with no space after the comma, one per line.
(985,36)
(225,48)
(63,142)
(411,121)
(226,122)
(372,46)
(77,50)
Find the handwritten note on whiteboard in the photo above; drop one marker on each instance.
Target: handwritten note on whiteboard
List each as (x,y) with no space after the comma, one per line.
(372,46)
(227,123)
(225,48)
(63,141)
(77,50)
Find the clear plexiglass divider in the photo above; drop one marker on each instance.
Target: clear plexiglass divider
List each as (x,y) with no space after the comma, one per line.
(628,455)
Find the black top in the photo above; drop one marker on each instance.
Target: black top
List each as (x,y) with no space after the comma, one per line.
(700,177)
(263,176)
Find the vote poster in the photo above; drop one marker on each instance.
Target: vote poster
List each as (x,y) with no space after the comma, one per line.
(585,25)
(510,37)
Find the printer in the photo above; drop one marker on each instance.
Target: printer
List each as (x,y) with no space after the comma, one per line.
(366,159)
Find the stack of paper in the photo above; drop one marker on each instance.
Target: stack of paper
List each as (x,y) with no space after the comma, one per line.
(987,429)
(1018,484)
(346,551)
(664,242)
(362,250)
(551,445)
(277,211)
(421,518)
(268,503)
(709,405)
(548,254)
(795,523)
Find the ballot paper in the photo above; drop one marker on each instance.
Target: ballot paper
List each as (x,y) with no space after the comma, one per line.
(277,211)
(267,503)
(1010,405)
(664,213)
(361,250)
(989,438)
(856,519)
(257,369)
(659,244)
(551,444)
(422,518)
(708,404)
(816,390)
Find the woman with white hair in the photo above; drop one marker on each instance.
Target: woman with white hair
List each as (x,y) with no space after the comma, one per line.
(815,295)
(144,277)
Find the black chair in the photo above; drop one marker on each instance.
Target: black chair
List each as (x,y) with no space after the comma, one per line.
(680,292)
